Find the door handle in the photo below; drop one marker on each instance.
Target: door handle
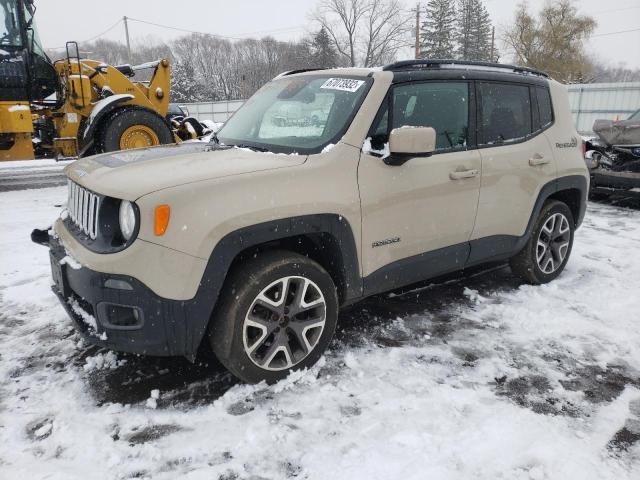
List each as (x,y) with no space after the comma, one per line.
(459,175)
(538,159)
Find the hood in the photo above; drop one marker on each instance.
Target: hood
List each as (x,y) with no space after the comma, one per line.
(131,174)
(622,132)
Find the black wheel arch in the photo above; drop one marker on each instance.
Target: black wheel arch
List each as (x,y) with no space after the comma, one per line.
(326,238)
(571,190)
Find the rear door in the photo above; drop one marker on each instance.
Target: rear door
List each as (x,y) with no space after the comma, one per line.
(517,160)
(417,218)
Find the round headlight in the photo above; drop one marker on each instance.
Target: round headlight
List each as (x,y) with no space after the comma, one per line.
(127,218)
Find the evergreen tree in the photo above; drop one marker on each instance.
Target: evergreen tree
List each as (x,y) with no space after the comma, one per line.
(184,85)
(323,54)
(474,31)
(481,33)
(437,39)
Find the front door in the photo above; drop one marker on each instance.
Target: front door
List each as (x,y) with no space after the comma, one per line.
(417,218)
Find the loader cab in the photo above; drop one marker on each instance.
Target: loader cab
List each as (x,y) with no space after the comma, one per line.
(26,72)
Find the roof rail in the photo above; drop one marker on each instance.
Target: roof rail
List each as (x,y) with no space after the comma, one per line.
(444,63)
(301,70)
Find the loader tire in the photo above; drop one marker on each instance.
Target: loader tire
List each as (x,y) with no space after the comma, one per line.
(132,127)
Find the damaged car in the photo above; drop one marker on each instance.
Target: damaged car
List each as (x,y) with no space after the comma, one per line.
(613,157)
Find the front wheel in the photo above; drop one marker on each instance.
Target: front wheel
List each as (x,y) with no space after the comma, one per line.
(277,313)
(133,127)
(546,253)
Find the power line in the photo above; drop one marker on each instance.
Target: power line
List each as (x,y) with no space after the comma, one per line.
(184,29)
(228,37)
(93,38)
(615,10)
(298,27)
(615,33)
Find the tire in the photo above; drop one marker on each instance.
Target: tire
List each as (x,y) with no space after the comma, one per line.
(154,130)
(548,249)
(254,338)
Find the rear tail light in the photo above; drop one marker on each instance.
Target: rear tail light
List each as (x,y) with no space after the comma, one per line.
(584,150)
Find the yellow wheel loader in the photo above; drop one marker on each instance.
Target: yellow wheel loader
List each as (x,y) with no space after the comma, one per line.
(75,107)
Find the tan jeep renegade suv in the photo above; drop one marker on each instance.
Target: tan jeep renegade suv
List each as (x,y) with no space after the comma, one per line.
(325,187)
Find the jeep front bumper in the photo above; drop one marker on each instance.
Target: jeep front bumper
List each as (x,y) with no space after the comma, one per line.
(121,313)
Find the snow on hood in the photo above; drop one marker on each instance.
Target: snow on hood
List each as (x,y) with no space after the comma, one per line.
(131,174)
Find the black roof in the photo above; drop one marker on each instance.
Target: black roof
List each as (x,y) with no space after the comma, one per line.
(421,64)
(416,70)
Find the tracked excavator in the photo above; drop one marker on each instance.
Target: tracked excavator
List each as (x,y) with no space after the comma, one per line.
(75,107)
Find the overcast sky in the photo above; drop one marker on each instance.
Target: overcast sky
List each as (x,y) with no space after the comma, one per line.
(62,20)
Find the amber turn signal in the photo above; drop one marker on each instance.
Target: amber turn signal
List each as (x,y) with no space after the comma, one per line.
(161,219)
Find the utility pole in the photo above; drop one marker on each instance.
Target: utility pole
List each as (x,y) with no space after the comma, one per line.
(493,39)
(417,31)
(126,32)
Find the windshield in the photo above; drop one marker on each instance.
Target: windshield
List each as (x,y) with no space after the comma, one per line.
(299,114)
(10,24)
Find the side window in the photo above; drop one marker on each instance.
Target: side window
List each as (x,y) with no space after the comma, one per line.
(544,106)
(505,113)
(441,105)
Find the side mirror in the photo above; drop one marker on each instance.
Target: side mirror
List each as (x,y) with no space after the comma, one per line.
(406,143)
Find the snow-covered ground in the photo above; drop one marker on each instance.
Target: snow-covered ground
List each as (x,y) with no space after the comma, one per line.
(479,378)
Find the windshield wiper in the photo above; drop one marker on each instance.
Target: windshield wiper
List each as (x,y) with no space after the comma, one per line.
(251,147)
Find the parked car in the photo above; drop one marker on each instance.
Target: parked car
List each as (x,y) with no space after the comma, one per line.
(252,243)
(613,157)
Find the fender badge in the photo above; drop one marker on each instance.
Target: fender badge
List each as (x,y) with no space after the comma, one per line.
(387,241)
(572,144)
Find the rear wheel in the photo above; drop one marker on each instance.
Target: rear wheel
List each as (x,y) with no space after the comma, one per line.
(133,127)
(277,313)
(546,253)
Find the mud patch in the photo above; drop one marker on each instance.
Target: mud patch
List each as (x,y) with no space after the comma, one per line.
(350,410)
(535,393)
(40,429)
(624,438)
(151,433)
(182,383)
(600,385)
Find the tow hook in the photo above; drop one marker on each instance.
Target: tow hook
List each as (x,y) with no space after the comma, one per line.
(41,237)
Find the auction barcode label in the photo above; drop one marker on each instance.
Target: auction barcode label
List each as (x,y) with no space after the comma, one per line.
(344,84)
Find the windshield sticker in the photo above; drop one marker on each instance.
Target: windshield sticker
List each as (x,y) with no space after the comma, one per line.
(343,84)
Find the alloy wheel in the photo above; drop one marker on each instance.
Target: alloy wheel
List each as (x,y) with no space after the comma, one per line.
(284,323)
(553,243)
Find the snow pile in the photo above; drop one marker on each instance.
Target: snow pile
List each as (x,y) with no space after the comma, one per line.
(101,361)
(152,401)
(482,378)
(328,148)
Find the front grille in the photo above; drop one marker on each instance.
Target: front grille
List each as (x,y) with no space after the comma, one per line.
(83,207)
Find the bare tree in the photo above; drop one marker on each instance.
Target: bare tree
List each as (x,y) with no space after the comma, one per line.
(554,41)
(364,32)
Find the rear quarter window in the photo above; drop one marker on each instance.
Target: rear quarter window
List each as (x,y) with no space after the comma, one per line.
(545,107)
